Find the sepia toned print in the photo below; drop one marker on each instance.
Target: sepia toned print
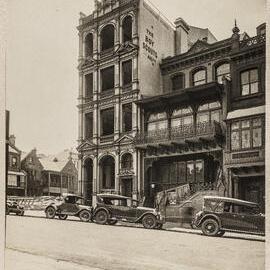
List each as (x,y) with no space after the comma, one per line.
(168,167)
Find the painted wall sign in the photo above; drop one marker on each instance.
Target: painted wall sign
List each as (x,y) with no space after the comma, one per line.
(149,46)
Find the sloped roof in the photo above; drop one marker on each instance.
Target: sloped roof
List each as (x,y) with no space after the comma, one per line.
(13,149)
(55,166)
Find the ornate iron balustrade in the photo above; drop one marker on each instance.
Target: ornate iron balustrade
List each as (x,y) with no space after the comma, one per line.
(252,41)
(179,133)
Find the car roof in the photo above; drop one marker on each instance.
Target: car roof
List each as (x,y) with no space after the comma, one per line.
(113,196)
(71,195)
(232,200)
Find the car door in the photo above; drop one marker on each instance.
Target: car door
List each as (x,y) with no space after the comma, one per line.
(124,212)
(69,206)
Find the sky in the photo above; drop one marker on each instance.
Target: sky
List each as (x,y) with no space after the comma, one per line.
(42,59)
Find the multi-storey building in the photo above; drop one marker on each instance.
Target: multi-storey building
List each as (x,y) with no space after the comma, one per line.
(154,102)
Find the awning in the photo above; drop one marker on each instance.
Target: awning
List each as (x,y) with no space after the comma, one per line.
(246,112)
(16,173)
(251,171)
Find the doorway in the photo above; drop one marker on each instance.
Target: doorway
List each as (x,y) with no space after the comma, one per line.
(126,187)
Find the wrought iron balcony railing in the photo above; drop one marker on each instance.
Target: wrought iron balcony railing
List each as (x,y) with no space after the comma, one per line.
(179,133)
(252,41)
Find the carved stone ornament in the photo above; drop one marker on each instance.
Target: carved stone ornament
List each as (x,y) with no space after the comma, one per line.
(198,46)
(126,48)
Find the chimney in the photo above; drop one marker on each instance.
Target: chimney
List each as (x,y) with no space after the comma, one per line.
(181,36)
(12,140)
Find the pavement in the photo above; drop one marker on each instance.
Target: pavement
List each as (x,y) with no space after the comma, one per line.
(39,243)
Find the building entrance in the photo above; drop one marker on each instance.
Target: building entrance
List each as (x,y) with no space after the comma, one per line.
(126,187)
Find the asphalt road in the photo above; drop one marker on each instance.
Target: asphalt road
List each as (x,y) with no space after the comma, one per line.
(43,244)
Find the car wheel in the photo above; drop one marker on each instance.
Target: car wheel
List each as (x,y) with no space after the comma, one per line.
(149,222)
(159,226)
(210,227)
(62,217)
(101,217)
(85,216)
(220,233)
(112,222)
(21,213)
(50,212)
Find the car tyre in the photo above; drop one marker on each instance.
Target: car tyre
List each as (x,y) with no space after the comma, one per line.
(62,216)
(112,222)
(85,216)
(210,227)
(101,217)
(50,212)
(21,213)
(149,221)
(220,233)
(159,226)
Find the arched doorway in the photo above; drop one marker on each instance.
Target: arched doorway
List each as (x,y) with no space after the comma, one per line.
(107,173)
(88,179)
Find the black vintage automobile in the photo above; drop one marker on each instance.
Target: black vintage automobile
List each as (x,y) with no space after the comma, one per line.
(112,208)
(69,205)
(221,214)
(14,207)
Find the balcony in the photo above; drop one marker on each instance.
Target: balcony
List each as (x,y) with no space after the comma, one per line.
(257,40)
(201,131)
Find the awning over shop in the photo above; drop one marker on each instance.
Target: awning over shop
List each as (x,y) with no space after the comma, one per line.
(246,112)
(16,173)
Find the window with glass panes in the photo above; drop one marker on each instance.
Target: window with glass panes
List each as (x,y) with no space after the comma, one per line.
(209,112)
(178,81)
(127,117)
(157,121)
(199,77)
(182,117)
(222,71)
(249,82)
(107,122)
(246,134)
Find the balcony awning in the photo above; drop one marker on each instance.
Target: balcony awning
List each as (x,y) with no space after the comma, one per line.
(196,94)
(246,112)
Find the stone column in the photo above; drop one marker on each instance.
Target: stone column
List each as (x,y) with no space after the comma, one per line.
(95,45)
(81,47)
(135,177)
(80,175)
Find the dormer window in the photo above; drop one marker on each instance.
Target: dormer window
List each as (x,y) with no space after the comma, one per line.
(249,82)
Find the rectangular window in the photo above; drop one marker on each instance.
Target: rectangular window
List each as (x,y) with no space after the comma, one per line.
(249,82)
(235,140)
(107,122)
(181,168)
(127,117)
(127,73)
(89,85)
(107,78)
(178,82)
(88,125)
(246,139)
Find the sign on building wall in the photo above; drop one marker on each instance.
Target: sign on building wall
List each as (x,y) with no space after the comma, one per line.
(149,45)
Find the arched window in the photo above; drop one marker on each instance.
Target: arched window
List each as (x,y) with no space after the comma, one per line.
(88,45)
(107,172)
(209,112)
(178,81)
(182,117)
(199,77)
(107,37)
(157,121)
(127,161)
(127,29)
(222,70)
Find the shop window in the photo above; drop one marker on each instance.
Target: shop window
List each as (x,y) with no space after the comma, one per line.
(178,82)
(222,71)
(107,37)
(107,122)
(127,117)
(107,78)
(127,73)
(249,82)
(88,43)
(127,161)
(209,112)
(182,117)
(157,121)
(199,77)
(88,126)
(246,134)
(89,85)
(127,29)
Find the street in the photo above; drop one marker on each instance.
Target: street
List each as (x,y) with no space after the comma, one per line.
(39,243)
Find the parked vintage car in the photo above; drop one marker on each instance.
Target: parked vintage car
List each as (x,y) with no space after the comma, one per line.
(221,214)
(69,205)
(14,207)
(112,208)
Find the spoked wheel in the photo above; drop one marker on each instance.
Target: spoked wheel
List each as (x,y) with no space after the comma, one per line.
(85,215)
(112,222)
(220,233)
(210,227)
(50,212)
(149,222)
(159,226)
(101,217)
(62,217)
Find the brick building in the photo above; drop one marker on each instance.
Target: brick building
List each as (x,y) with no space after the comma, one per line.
(144,80)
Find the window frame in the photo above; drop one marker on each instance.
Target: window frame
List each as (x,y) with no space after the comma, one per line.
(249,82)
(182,75)
(102,122)
(123,118)
(209,111)
(194,72)
(222,74)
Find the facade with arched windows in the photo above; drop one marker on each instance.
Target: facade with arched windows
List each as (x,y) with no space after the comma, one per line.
(159,109)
